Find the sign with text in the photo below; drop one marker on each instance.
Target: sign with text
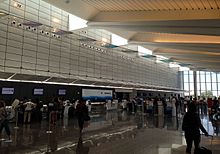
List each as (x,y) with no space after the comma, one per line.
(38,91)
(7,91)
(96,94)
(62,92)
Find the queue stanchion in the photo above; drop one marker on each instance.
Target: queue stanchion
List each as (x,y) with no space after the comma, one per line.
(49,131)
(133,111)
(16,119)
(143,105)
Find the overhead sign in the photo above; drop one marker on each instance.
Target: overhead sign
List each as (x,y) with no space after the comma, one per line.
(62,92)
(7,91)
(96,94)
(38,91)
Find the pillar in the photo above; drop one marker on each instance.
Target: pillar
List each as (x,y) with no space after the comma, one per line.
(195,84)
(133,94)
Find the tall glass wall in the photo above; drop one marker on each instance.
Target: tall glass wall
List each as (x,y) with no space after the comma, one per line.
(208,83)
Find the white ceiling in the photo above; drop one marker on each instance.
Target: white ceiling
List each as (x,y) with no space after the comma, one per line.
(187,31)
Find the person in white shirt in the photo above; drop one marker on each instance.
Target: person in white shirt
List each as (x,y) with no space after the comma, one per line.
(66,109)
(173,101)
(76,103)
(29,106)
(88,104)
(15,105)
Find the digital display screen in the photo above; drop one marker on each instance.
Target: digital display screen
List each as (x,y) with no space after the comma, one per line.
(62,92)
(38,91)
(7,91)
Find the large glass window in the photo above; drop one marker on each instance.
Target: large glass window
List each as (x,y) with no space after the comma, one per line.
(208,86)
(218,86)
(191,86)
(207,82)
(198,93)
(214,86)
(215,93)
(186,86)
(198,77)
(198,86)
(190,72)
(213,77)
(208,79)
(202,72)
(186,73)
(186,78)
(218,77)
(202,77)
(203,86)
(190,78)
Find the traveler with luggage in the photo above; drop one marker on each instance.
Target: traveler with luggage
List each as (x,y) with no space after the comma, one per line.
(191,126)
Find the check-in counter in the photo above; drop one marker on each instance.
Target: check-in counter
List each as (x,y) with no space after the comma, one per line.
(98,106)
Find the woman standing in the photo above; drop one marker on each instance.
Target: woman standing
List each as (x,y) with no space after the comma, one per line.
(4,120)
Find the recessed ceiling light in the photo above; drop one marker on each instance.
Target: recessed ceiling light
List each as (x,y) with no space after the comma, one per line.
(55,20)
(104,40)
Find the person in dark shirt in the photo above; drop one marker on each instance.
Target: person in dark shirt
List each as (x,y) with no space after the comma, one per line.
(191,126)
(82,114)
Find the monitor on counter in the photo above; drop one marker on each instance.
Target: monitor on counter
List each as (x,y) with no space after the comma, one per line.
(7,91)
(38,91)
(61,92)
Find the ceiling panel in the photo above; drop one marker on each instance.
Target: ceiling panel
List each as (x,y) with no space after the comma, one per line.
(4,75)
(61,80)
(152,5)
(28,77)
(86,82)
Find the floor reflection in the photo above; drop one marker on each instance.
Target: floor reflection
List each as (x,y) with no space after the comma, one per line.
(81,149)
(111,132)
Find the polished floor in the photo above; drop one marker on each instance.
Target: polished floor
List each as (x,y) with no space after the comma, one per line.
(108,133)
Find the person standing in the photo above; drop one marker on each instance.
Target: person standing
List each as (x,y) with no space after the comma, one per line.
(191,126)
(4,120)
(28,110)
(174,110)
(82,114)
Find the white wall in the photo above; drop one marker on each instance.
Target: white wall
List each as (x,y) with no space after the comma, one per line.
(31,52)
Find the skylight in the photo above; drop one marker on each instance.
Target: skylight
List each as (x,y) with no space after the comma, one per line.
(143,51)
(76,22)
(172,65)
(159,58)
(184,69)
(118,40)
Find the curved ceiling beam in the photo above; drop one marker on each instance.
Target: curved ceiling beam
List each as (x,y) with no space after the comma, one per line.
(135,16)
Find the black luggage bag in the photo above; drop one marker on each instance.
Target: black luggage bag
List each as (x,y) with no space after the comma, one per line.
(203,150)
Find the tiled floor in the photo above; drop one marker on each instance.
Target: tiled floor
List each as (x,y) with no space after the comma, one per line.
(108,133)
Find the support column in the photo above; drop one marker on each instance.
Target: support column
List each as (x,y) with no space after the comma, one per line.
(133,94)
(195,84)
